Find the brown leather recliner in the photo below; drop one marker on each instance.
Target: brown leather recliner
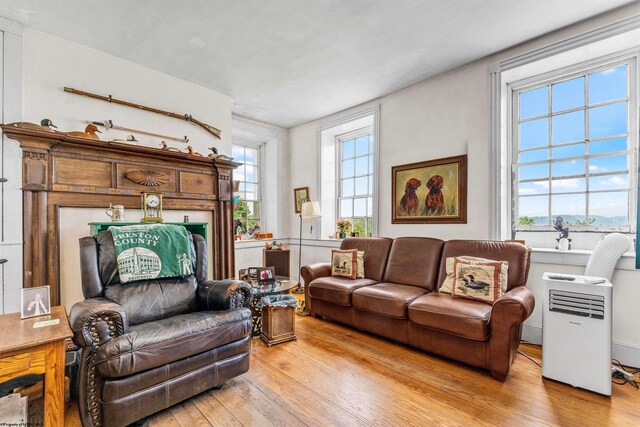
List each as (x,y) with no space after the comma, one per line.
(150,344)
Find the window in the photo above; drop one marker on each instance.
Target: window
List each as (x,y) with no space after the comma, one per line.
(574,154)
(355,180)
(247,197)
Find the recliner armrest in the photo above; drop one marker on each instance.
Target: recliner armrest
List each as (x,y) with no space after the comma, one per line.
(95,321)
(214,295)
(313,271)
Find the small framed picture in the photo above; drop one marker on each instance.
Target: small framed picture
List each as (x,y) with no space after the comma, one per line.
(253,273)
(265,275)
(300,195)
(243,274)
(35,302)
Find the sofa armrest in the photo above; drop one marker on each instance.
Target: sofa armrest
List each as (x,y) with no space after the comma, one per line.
(313,271)
(514,306)
(216,295)
(95,321)
(507,315)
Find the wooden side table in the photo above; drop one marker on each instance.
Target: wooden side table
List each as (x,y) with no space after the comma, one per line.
(28,350)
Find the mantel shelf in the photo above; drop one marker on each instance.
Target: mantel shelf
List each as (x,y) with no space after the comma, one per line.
(51,137)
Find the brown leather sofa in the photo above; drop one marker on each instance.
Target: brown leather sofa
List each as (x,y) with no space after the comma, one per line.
(398,298)
(149,344)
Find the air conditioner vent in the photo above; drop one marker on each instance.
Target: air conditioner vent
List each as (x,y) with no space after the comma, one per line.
(577,304)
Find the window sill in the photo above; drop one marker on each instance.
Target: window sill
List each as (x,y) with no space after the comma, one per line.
(576,257)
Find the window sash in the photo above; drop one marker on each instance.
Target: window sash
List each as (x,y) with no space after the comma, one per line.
(367,219)
(255,217)
(630,152)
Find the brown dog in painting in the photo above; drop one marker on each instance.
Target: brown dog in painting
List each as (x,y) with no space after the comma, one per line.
(434,204)
(409,202)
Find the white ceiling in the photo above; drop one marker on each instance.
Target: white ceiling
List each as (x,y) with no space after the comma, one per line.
(287,62)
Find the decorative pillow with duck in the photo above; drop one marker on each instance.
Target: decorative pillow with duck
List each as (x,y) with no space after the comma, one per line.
(344,263)
(479,280)
(447,284)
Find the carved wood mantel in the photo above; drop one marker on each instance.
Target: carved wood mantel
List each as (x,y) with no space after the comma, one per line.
(66,171)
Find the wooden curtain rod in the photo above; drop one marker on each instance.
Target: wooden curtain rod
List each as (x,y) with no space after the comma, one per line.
(212,130)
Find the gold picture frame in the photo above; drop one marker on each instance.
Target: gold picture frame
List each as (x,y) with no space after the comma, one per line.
(430,192)
(300,195)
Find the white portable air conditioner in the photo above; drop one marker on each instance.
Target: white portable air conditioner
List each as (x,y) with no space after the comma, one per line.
(576,332)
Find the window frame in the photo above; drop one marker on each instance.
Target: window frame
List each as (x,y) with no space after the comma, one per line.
(371,183)
(558,76)
(259,147)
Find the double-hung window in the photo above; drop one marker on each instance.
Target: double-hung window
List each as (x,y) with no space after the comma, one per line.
(574,150)
(247,198)
(355,180)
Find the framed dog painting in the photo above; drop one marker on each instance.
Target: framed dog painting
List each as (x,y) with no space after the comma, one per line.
(433,192)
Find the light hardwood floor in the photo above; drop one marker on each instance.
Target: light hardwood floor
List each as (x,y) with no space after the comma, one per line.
(337,376)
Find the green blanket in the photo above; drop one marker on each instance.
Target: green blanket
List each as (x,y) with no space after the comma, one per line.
(152,251)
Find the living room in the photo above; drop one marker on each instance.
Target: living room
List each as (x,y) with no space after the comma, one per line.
(270,124)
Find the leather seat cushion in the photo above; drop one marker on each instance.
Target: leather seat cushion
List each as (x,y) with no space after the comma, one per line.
(336,290)
(164,341)
(116,388)
(458,316)
(387,299)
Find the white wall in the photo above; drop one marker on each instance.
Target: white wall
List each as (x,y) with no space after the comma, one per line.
(11,271)
(51,63)
(445,116)
(276,187)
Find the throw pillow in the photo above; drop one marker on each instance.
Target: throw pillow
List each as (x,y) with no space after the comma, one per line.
(360,259)
(344,263)
(448,281)
(478,280)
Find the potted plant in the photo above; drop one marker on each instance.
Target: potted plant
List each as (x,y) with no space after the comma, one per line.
(343,227)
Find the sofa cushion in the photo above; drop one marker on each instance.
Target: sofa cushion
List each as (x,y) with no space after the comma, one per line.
(516,254)
(336,290)
(462,317)
(376,252)
(414,261)
(164,341)
(387,299)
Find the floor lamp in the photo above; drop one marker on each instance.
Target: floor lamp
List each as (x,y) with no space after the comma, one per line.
(309,210)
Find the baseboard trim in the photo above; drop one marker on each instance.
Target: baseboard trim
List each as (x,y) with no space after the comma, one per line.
(626,354)
(532,334)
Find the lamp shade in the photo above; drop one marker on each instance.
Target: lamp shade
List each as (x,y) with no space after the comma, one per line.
(310,210)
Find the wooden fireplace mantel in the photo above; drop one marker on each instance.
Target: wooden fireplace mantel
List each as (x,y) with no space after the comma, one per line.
(59,171)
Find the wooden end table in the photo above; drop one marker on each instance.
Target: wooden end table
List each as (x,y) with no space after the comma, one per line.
(281,285)
(28,350)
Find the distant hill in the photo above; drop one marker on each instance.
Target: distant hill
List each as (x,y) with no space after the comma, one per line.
(571,219)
